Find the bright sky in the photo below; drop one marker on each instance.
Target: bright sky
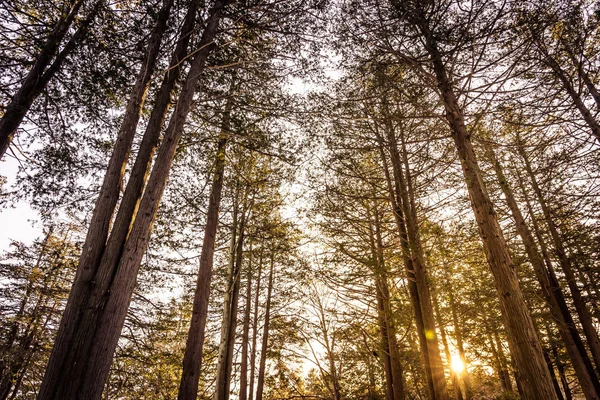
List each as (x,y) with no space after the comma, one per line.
(21,222)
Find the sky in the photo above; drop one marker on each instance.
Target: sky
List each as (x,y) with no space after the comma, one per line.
(20,222)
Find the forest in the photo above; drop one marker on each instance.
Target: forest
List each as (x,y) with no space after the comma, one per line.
(300,199)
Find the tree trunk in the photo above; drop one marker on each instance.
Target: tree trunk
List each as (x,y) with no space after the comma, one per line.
(42,70)
(523,341)
(108,314)
(230,311)
(552,293)
(565,262)
(246,331)
(265,337)
(459,339)
(568,86)
(103,211)
(192,359)
(392,350)
(561,372)
(503,372)
(255,327)
(396,201)
(454,377)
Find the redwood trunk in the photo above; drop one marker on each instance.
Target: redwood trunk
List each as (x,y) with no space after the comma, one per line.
(192,360)
(552,293)
(523,341)
(265,337)
(66,344)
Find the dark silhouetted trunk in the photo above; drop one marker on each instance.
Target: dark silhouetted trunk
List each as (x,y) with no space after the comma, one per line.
(265,337)
(230,310)
(192,359)
(246,331)
(255,327)
(565,262)
(47,63)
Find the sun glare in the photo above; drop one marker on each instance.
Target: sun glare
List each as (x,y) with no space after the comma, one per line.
(457,364)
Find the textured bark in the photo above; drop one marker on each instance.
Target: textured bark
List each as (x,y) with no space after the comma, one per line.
(66,342)
(111,310)
(246,331)
(390,329)
(43,69)
(396,201)
(565,262)
(552,293)
(265,336)
(230,310)
(192,360)
(523,341)
(255,327)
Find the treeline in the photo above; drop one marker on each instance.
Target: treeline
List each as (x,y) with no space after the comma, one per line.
(420,222)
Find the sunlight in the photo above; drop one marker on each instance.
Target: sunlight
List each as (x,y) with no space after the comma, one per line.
(457,364)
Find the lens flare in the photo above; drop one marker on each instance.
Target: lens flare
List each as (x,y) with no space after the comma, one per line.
(457,364)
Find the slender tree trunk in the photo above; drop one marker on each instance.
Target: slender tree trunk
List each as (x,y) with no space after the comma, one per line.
(396,201)
(265,337)
(382,317)
(523,341)
(255,327)
(577,100)
(246,331)
(458,335)
(453,375)
(565,262)
(552,293)
(502,362)
(109,314)
(553,375)
(395,366)
(43,68)
(561,372)
(192,359)
(230,310)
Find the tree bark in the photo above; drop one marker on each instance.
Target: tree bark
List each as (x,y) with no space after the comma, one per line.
(108,315)
(230,310)
(246,331)
(395,201)
(43,70)
(192,359)
(565,262)
(523,341)
(255,327)
(552,292)
(265,337)
(103,211)
(392,350)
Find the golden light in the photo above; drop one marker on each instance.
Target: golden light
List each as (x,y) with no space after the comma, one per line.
(457,365)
